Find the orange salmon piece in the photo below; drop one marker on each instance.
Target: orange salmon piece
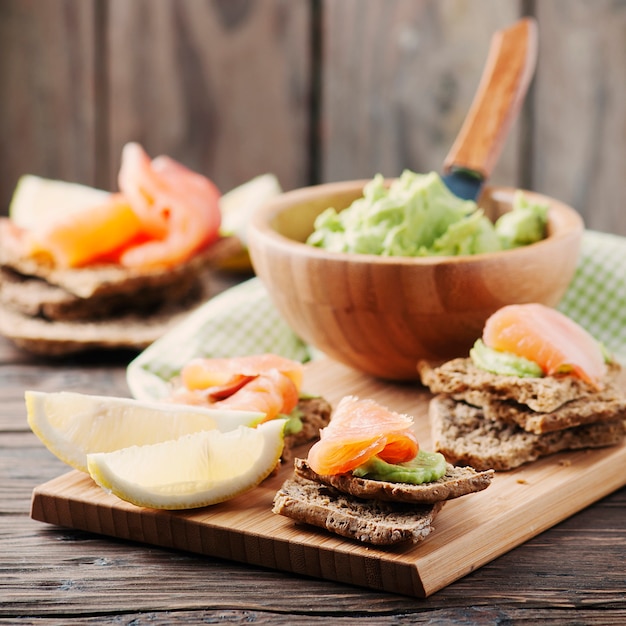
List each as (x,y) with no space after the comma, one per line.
(202,373)
(399,448)
(548,337)
(270,393)
(86,236)
(261,382)
(178,207)
(359,430)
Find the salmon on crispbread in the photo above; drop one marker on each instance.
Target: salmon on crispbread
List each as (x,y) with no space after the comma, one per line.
(462,379)
(457,482)
(368,521)
(118,308)
(463,434)
(368,479)
(106,279)
(535,383)
(84,268)
(57,312)
(538,405)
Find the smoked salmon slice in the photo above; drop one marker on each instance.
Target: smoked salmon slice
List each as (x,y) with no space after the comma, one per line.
(272,393)
(177,206)
(201,373)
(549,338)
(163,215)
(359,430)
(86,236)
(267,383)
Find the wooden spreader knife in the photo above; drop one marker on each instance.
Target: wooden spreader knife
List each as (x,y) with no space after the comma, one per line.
(507,74)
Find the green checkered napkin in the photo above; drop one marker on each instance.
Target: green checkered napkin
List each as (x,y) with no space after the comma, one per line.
(242,320)
(596,297)
(239,321)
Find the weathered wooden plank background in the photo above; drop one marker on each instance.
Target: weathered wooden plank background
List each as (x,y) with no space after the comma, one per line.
(312,90)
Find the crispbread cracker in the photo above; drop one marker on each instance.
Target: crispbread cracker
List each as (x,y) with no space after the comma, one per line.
(34,297)
(605,406)
(367,521)
(56,312)
(104,279)
(135,331)
(462,379)
(457,482)
(465,437)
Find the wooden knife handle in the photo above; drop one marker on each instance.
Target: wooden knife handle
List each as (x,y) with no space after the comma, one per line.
(508,72)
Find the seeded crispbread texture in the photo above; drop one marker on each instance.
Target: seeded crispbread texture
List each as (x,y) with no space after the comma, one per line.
(34,297)
(104,279)
(607,406)
(56,312)
(465,437)
(457,482)
(367,521)
(462,379)
(135,331)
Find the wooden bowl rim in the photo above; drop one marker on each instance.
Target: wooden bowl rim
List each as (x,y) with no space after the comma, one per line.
(260,226)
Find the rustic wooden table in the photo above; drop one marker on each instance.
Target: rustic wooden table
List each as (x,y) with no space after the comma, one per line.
(572,573)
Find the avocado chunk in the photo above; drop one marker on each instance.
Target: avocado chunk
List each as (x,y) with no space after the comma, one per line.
(426,467)
(504,363)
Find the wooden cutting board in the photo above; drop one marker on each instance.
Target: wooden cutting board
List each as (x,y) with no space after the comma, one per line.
(469,531)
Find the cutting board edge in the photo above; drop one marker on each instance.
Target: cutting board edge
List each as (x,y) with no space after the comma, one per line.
(495,549)
(382,571)
(296,557)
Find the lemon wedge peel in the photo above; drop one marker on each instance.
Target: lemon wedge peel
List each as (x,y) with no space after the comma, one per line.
(196,470)
(37,200)
(72,425)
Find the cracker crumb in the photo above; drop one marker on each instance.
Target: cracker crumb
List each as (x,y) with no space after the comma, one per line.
(565,462)
(522,481)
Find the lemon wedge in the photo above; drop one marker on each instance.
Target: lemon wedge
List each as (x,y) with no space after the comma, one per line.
(237,207)
(239,204)
(72,425)
(192,471)
(37,200)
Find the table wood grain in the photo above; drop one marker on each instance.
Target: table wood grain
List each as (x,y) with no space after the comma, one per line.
(572,573)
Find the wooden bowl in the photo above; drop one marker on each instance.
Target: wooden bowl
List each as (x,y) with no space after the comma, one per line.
(382,314)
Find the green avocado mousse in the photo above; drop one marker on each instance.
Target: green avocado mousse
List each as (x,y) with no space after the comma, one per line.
(504,363)
(425,467)
(417,215)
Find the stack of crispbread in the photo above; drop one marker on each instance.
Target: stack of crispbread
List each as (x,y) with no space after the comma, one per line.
(488,420)
(53,311)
